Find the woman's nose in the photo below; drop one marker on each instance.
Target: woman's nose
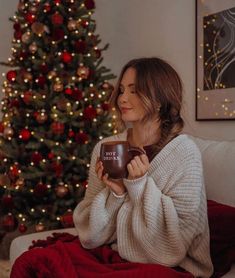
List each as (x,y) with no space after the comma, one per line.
(123,97)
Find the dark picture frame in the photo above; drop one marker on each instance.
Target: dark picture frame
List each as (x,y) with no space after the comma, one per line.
(215,60)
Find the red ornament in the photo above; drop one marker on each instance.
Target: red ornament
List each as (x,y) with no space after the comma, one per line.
(57,2)
(57,34)
(9,222)
(66,57)
(51,155)
(44,68)
(71,133)
(57,128)
(1,127)
(67,219)
(80,46)
(41,80)
(14,102)
(17,35)
(68,91)
(14,171)
(85,184)
(57,168)
(16,26)
(81,138)
(57,19)
(36,158)
(23,55)
(46,8)
(61,190)
(22,228)
(40,189)
(25,134)
(28,96)
(89,4)
(30,18)
(77,94)
(105,106)
(7,202)
(11,75)
(89,113)
(97,53)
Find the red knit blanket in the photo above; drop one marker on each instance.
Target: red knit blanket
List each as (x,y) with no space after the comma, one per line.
(63,257)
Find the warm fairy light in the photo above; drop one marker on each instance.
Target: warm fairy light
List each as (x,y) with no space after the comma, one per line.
(99,96)
(101,137)
(77,185)
(70,141)
(91,85)
(59,157)
(76,32)
(54,107)
(43,210)
(81,114)
(27,115)
(91,95)
(57,143)
(53,42)
(109,125)
(71,113)
(86,99)
(23,219)
(103,93)
(32,132)
(41,140)
(114,116)
(32,164)
(48,186)
(68,104)
(58,218)
(95,120)
(115,131)
(88,165)
(73,78)
(20,215)
(88,54)
(77,102)
(73,157)
(5,160)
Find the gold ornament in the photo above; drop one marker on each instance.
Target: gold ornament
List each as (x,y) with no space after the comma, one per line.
(72,24)
(38,28)
(99,111)
(8,91)
(83,72)
(51,74)
(78,24)
(27,76)
(8,132)
(58,87)
(4,180)
(33,47)
(61,191)
(25,37)
(20,182)
(39,227)
(41,118)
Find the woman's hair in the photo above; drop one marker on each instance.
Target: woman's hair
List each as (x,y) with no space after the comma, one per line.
(160,88)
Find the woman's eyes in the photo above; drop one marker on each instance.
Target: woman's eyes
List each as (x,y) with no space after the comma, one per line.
(121,91)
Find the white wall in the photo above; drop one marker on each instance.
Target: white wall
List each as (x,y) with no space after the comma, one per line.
(135,28)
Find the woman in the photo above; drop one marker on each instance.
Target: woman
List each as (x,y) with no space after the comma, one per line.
(157,214)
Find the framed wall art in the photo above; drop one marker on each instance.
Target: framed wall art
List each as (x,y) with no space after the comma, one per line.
(215,60)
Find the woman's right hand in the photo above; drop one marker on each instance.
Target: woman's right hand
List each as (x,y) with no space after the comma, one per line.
(116,186)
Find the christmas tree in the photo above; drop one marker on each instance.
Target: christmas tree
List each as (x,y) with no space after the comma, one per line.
(54,110)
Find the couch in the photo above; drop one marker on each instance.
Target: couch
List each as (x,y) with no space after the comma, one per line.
(219,172)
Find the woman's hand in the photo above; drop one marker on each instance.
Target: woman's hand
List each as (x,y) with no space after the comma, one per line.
(116,186)
(138,167)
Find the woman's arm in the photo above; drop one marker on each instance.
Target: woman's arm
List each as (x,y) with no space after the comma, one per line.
(95,216)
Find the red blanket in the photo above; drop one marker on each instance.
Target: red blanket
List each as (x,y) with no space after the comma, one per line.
(66,257)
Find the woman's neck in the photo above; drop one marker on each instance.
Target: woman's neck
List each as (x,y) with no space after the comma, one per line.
(141,136)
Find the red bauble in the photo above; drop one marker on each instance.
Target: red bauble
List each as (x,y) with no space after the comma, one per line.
(57,1)
(40,189)
(44,68)
(68,91)
(22,228)
(71,133)
(57,34)
(67,219)
(80,46)
(7,202)
(61,190)
(77,94)
(11,75)
(51,155)
(105,106)
(81,138)
(89,113)
(14,171)
(57,168)
(1,127)
(30,18)
(28,96)
(66,57)
(9,222)
(16,26)
(46,7)
(14,102)
(17,35)
(41,81)
(89,4)
(57,128)
(36,158)
(57,19)
(97,53)
(25,134)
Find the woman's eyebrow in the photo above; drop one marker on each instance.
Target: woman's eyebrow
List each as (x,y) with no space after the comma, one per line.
(129,85)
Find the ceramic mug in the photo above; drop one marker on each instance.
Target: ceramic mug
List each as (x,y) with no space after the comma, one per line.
(115,156)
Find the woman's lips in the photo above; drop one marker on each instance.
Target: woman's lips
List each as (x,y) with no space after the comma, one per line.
(125,109)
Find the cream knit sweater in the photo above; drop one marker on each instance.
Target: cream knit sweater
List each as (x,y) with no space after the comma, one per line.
(163,217)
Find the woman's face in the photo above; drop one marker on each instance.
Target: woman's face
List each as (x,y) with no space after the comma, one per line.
(129,103)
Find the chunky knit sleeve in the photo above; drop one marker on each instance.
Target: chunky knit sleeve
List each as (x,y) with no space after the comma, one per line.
(95,216)
(162,216)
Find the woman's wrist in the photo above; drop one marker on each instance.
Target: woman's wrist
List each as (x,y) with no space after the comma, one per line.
(119,195)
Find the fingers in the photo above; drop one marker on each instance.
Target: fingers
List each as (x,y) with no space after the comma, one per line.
(117,187)
(138,166)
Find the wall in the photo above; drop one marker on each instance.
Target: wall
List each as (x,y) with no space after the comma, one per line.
(135,28)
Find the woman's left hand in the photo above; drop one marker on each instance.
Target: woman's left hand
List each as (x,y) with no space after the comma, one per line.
(138,167)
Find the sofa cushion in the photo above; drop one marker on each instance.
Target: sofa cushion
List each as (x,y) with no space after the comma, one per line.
(218,159)
(222,236)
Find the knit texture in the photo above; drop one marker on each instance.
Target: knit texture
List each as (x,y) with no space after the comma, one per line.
(162,218)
